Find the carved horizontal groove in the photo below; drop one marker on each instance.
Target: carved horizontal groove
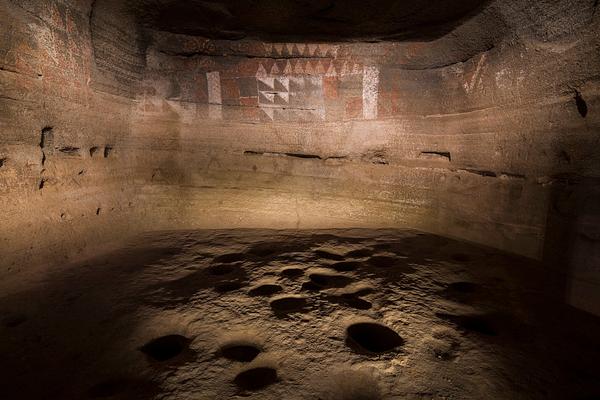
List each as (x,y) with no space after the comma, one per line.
(294,155)
(512,175)
(437,154)
(492,174)
(279,154)
(480,172)
(73,151)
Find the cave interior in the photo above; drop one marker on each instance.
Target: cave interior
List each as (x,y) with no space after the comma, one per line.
(299,199)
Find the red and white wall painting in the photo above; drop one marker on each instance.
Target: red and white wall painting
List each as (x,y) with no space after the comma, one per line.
(295,83)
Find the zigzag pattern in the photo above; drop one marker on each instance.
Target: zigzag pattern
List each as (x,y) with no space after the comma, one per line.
(301,50)
(317,67)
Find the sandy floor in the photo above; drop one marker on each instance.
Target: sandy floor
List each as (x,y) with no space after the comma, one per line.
(340,314)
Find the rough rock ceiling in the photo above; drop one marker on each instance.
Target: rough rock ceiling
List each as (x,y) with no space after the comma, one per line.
(325,20)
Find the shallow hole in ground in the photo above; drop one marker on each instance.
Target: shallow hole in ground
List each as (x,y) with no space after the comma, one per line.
(292,272)
(222,269)
(359,253)
(288,304)
(240,352)
(309,286)
(256,378)
(373,337)
(329,280)
(165,347)
(360,291)
(352,301)
(266,289)
(345,266)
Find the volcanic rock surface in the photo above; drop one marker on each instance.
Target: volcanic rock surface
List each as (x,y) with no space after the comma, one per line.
(440,319)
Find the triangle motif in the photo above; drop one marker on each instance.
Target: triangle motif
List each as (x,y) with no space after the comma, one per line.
(301,49)
(267,97)
(308,69)
(319,69)
(261,72)
(288,70)
(269,112)
(266,84)
(282,85)
(295,50)
(282,98)
(317,52)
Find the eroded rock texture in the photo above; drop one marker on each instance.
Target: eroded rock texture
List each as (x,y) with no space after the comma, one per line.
(367,314)
(471,119)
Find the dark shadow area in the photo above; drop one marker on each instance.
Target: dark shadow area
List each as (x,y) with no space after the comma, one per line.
(237,352)
(372,338)
(166,348)
(321,20)
(256,378)
(78,324)
(572,240)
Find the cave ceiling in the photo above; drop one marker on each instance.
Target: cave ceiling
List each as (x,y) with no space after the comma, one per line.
(301,20)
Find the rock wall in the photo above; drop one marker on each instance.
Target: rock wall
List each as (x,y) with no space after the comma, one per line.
(488,133)
(66,181)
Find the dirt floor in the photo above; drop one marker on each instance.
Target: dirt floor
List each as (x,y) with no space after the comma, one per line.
(336,314)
